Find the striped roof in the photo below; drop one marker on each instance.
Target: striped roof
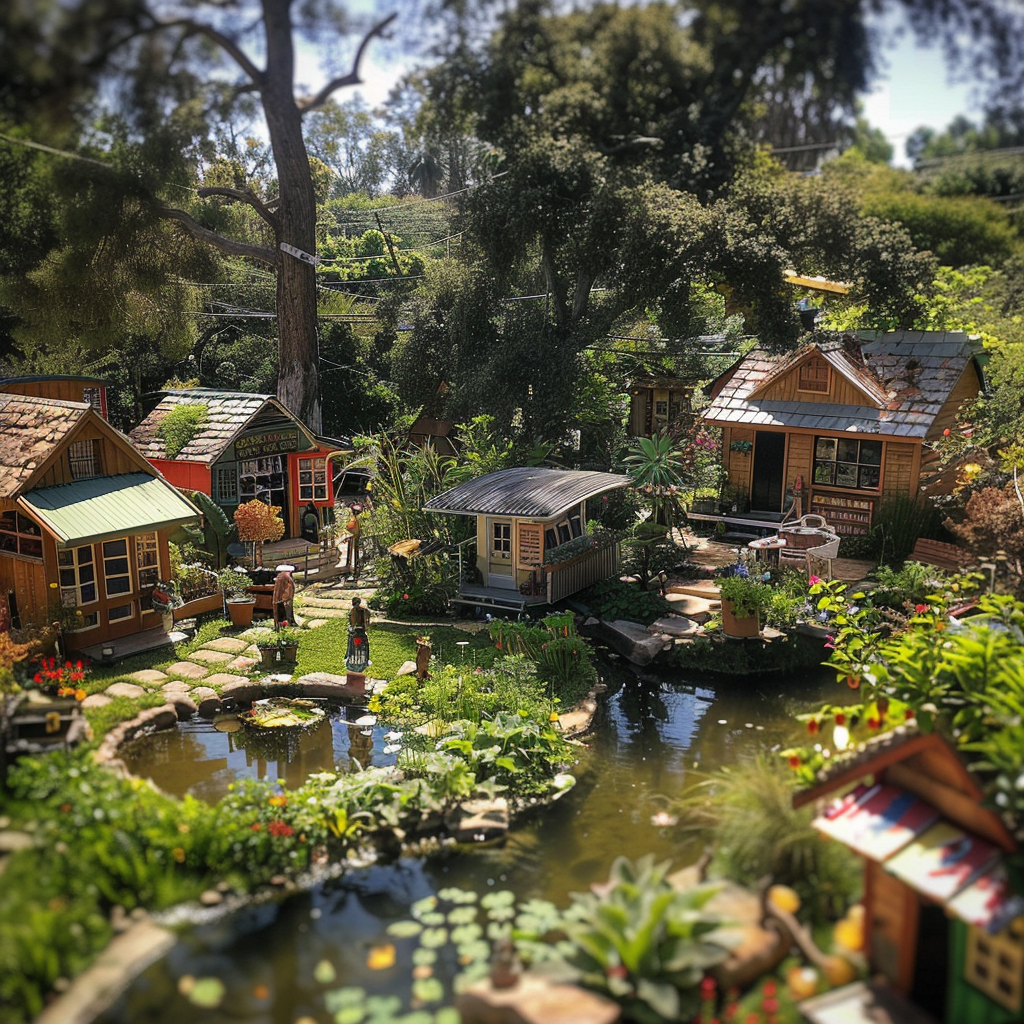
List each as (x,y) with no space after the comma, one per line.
(905,376)
(30,430)
(525,491)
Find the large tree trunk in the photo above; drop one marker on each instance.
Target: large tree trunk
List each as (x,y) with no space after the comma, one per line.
(298,381)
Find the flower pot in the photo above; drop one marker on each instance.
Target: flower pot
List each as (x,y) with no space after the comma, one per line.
(240,611)
(268,655)
(745,627)
(289,652)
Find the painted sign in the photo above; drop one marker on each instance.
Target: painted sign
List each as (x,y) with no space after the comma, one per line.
(529,544)
(941,861)
(272,442)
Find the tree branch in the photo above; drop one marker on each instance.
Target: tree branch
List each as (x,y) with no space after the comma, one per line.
(352,78)
(218,241)
(241,195)
(229,46)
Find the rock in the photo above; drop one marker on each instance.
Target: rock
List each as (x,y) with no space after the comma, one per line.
(207,657)
(227,644)
(323,684)
(243,690)
(187,670)
(279,881)
(148,675)
(210,706)
(631,640)
(125,690)
(674,625)
(97,700)
(408,668)
(225,679)
(534,1000)
(211,898)
(478,820)
(183,704)
(175,686)
(241,664)
(163,717)
(700,609)
(12,842)
(119,920)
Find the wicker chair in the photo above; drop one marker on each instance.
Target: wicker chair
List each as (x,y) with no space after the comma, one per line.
(823,553)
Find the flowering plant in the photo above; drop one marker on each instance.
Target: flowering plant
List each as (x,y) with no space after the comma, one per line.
(52,677)
(287,635)
(258,522)
(234,581)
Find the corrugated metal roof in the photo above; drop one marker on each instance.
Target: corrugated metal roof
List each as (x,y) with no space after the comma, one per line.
(525,491)
(88,511)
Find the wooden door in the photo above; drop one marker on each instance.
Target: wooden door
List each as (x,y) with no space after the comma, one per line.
(499,554)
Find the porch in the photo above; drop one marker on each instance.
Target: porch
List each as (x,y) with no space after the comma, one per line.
(135,643)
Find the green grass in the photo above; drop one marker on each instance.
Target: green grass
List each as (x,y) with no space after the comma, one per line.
(391,645)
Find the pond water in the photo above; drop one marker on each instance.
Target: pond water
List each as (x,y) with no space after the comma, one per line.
(654,736)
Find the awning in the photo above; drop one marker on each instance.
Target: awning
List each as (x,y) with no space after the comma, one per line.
(877,821)
(88,511)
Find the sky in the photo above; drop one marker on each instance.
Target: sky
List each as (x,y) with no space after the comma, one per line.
(912,89)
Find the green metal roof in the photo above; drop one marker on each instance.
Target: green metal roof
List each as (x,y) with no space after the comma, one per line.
(88,511)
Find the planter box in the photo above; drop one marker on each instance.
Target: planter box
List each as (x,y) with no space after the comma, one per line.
(264,594)
(199,606)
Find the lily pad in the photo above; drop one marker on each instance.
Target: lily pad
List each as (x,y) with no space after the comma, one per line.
(462,915)
(501,898)
(466,933)
(324,973)
(456,895)
(351,995)
(471,952)
(382,1009)
(423,906)
(207,993)
(350,1015)
(423,957)
(427,990)
(434,919)
(404,929)
(434,938)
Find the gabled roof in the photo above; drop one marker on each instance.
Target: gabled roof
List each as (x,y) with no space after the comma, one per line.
(30,430)
(228,414)
(525,491)
(908,375)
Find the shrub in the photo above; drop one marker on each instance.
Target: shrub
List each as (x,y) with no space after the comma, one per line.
(617,599)
(181,425)
(898,521)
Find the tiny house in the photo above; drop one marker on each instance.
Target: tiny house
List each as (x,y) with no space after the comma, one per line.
(84,522)
(522,516)
(243,447)
(843,422)
(942,925)
(656,403)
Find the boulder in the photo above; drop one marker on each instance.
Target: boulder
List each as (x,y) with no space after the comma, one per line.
(673,626)
(631,640)
(476,821)
(323,684)
(534,1000)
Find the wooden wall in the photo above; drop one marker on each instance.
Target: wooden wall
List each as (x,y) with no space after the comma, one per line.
(115,458)
(27,580)
(967,388)
(786,389)
(901,468)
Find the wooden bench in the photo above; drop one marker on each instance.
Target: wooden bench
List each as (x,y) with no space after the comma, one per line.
(940,554)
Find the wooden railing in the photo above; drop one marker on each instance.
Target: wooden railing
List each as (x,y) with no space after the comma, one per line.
(567,578)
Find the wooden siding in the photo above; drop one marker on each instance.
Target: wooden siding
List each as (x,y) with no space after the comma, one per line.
(116,456)
(738,467)
(799,460)
(892,913)
(840,391)
(579,573)
(900,468)
(26,579)
(56,390)
(967,388)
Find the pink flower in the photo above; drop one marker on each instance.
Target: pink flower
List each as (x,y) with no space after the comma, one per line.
(813,579)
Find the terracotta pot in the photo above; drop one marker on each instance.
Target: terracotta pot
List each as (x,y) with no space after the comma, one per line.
(746,627)
(240,612)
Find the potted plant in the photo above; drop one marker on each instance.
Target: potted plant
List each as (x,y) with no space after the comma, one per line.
(744,600)
(288,642)
(234,583)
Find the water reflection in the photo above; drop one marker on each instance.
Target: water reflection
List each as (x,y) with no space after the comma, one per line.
(656,737)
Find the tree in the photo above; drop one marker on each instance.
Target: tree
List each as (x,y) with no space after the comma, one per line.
(177,57)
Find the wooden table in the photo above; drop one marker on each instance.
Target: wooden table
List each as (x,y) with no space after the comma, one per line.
(767,549)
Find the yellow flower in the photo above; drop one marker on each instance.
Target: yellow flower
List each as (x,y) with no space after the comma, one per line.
(381,957)
(179,854)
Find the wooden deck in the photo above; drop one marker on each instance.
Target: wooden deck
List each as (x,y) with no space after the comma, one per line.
(499,598)
(136,643)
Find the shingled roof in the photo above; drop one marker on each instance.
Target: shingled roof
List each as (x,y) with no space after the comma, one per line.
(228,413)
(905,376)
(30,429)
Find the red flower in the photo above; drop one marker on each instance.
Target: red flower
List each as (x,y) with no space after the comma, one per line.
(794,761)
(257,827)
(812,726)
(357,641)
(707,987)
(919,608)
(405,597)
(908,714)
(617,971)
(873,723)
(840,719)
(280,828)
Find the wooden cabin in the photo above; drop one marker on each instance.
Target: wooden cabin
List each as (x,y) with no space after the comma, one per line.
(522,516)
(61,388)
(942,925)
(84,522)
(655,403)
(841,424)
(248,446)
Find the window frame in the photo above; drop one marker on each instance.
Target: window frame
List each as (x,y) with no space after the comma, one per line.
(71,594)
(77,460)
(803,379)
(315,487)
(994,964)
(868,472)
(26,541)
(108,576)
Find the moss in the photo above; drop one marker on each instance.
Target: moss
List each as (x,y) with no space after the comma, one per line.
(181,425)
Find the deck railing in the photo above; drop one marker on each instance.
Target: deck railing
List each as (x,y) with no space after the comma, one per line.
(567,578)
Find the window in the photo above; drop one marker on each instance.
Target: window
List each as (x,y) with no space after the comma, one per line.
(91,396)
(77,577)
(501,540)
(312,480)
(116,570)
(121,611)
(225,484)
(847,462)
(813,375)
(995,964)
(20,535)
(147,559)
(84,457)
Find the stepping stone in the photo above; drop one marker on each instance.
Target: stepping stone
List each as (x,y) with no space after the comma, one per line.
(205,657)
(201,693)
(408,669)
(674,625)
(175,686)
(478,820)
(244,690)
(187,670)
(230,644)
(241,664)
(97,700)
(314,623)
(697,608)
(125,690)
(224,679)
(148,675)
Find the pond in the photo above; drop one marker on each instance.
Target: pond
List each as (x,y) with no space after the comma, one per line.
(654,736)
